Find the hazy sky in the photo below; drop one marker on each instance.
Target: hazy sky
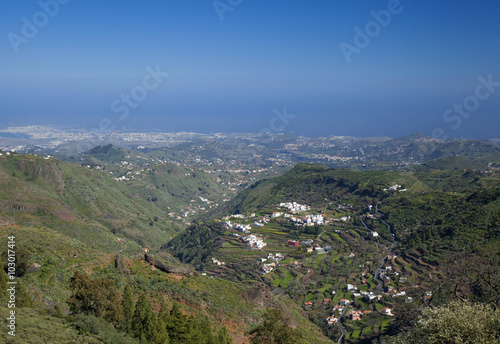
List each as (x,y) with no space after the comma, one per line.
(362,68)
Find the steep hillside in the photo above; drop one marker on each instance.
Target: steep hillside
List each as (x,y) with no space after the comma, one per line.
(437,222)
(183,191)
(79,202)
(54,260)
(80,239)
(319,185)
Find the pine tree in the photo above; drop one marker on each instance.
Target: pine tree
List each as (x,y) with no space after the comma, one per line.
(140,314)
(110,300)
(164,312)
(128,308)
(223,336)
(145,323)
(154,329)
(275,330)
(94,297)
(177,325)
(206,332)
(162,336)
(164,316)
(193,332)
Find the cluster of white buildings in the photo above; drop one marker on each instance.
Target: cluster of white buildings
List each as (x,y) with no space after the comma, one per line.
(343,303)
(295,207)
(254,241)
(240,227)
(243,228)
(267,268)
(388,270)
(272,260)
(370,295)
(308,220)
(275,257)
(400,293)
(217,262)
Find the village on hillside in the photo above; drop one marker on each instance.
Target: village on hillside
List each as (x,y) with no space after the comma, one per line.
(317,252)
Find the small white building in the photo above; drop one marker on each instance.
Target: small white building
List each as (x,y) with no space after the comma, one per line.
(387,311)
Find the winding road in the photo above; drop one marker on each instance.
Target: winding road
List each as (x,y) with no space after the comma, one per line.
(342,327)
(376,275)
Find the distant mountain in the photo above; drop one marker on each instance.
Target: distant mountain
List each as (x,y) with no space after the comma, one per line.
(271,154)
(419,148)
(412,137)
(494,142)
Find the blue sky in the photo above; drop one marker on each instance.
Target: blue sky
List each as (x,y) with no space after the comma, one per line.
(228,75)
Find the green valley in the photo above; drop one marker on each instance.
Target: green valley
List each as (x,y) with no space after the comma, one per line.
(79,238)
(353,247)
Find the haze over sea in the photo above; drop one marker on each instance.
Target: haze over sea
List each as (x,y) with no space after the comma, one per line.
(377,68)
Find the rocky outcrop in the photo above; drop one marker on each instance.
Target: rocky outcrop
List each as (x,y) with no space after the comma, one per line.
(162,266)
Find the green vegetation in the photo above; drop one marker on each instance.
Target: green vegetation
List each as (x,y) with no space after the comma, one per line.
(454,163)
(69,223)
(84,204)
(312,184)
(91,297)
(437,221)
(104,261)
(457,322)
(433,214)
(167,185)
(94,297)
(274,329)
